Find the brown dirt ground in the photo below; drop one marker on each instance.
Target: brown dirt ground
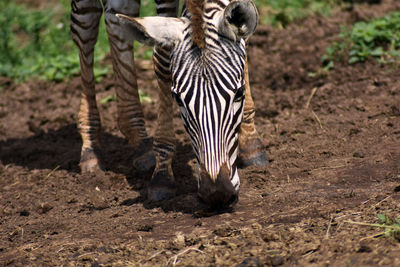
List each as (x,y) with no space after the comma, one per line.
(333,141)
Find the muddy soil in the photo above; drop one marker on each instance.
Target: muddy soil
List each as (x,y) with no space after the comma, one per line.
(334,147)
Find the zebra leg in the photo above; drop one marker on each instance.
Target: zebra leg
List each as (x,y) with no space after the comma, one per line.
(85,17)
(251,148)
(130,115)
(162,184)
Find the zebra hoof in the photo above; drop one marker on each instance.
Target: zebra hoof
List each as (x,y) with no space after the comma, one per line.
(253,154)
(145,162)
(145,159)
(161,187)
(90,162)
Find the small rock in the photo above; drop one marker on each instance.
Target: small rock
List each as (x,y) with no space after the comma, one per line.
(364,248)
(268,237)
(275,260)
(358,155)
(44,208)
(250,262)
(397,189)
(145,228)
(179,240)
(24,213)
(354,131)
(72,201)
(223,231)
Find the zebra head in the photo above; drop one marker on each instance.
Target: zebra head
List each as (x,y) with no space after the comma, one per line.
(207,61)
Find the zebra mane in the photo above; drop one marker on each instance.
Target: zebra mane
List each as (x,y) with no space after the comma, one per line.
(196,9)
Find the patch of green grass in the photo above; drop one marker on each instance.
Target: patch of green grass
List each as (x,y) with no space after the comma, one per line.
(143,97)
(37,43)
(280,13)
(378,38)
(390,226)
(147,8)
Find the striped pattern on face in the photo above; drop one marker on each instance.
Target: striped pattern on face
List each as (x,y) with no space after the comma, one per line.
(208,85)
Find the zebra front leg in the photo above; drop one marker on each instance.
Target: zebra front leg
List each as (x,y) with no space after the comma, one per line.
(162,184)
(251,148)
(130,115)
(85,17)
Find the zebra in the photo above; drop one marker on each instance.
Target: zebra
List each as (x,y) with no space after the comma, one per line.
(200,61)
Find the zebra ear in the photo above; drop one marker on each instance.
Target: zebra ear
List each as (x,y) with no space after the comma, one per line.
(239,20)
(153,31)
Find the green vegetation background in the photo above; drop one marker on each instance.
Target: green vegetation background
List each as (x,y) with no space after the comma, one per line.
(37,43)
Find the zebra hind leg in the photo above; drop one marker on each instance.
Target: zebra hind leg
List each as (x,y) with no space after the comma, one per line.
(162,184)
(85,17)
(130,115)
(251,148)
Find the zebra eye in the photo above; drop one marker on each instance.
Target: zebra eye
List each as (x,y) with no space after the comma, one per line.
(239,94)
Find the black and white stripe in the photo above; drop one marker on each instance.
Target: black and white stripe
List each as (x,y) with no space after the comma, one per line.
(208,86)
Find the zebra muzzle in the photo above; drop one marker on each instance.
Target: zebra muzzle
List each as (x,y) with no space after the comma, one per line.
(218,193)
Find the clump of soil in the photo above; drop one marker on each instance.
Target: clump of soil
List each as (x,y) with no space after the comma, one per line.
(333,141)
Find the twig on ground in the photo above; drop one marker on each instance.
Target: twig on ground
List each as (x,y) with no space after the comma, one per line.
(85,254)
(51,172)
(373,225)
(175,258)
(388,230)
(155,255)
(366,201)
(318,120)
(372,236)
(383,200)
(345,215)
(314,90)
(329,227)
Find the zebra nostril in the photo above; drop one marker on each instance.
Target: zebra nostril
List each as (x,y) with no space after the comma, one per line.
(219,201)
(218,193)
